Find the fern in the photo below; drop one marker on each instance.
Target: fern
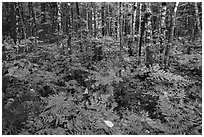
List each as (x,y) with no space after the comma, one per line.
(179,117)
(171,78)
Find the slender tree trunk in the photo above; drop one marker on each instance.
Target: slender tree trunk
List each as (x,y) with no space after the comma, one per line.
(87,15)
(169,45)
(163,30)
(59,18)
(34,32)
(198,20)
(120,31)
(22,20)
(78,15)
(30,23)
(103,18)
(72,16)
(13,22)
(64,14)
(90,19)
(109,20)
(134,20)
(54,10)
(141,31)
(44,26)
(148,53)
(19,33)
(118,22)
(68,29)
(94,12)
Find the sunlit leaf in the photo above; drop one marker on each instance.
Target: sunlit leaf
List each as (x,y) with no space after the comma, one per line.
(108,123)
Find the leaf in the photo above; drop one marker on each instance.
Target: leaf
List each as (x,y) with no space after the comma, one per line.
(86,91)
(39,31)
(108,123)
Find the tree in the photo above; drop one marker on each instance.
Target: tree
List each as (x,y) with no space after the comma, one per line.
(90,28)
(34,30)
(44,24)
(198,19)
(120,30)
(13,22)
(134,20)
(148,35)
(142,21)
(94,16)
(78,16)
(59,19)
(22,20)
(103,19)
(163,29)
(169,45)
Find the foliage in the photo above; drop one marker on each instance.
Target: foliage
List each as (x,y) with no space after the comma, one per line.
(81,80)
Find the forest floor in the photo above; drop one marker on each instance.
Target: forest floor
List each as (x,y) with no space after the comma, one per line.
(47,91)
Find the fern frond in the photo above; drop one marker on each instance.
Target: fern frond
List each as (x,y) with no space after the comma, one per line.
(163,76)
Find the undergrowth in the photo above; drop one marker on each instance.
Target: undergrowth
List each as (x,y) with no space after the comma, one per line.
(49,93)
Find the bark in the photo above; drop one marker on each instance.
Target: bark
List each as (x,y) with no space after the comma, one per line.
(134,20)
(198,19)
(54,9)
(59,18)
(44,26)
(22,20)
(169,45)
(148,53)
(103,19)
(13,22)
(163,31)
(29,22)
(68,29)
(94,16)
(109,20)
(90,19)
(118,22)
(140,32)
(120,31)
(72,16)
(78,16)
(34,30)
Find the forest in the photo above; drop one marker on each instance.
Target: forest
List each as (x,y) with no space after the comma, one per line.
(101,68)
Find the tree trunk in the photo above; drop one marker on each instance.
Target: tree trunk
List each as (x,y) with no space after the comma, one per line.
(134,20)
(72,17)
(108,20)
(169,45)
(148,41)
(163,30)
(13,22)
(118,23)
(78,16)
(198,19)
(22,20)
(103,19)
(94,12)
(53,6)
(68,29)
(90,19)
(141,31)
(59,18)
(34,30)
(44,26)
(120,31)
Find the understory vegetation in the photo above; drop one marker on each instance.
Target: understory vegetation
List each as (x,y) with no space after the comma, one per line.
(94,88)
